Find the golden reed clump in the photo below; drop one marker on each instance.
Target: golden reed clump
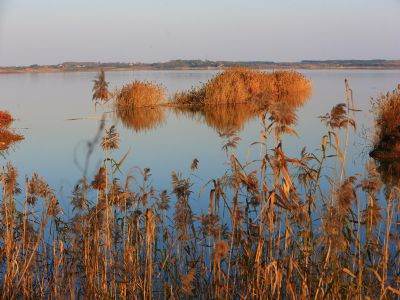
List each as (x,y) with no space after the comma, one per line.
(241,85)
(5,119)
(139,94)
(137,105)
(387,125)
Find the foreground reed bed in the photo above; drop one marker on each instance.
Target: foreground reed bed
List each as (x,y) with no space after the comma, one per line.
(271,230)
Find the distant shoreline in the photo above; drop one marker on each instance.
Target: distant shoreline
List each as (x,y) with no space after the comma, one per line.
(182,65)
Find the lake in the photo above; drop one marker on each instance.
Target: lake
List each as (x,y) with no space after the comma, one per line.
(55,146)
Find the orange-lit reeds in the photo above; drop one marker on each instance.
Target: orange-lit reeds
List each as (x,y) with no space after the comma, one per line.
(241,85)
(139,94)
(387,125)
(5,119)
(7,136)
(137,105)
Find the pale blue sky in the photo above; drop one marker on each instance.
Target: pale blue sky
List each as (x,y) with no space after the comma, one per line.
(53,31)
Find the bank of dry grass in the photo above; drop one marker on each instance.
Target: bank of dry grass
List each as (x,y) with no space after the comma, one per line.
(241,85)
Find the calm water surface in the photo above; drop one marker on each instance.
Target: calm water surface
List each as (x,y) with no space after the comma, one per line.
(56,147)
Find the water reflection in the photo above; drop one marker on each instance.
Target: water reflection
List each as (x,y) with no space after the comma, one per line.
(222,118)
(142,119)
(233,117)
(389,170)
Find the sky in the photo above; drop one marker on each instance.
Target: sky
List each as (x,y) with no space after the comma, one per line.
(55,31)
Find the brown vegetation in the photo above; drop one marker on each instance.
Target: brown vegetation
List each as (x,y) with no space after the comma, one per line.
(5,119)
(139,94)
(387,125)
(271,230)
(137,105)
(7,136)
(100,88)
(241,85)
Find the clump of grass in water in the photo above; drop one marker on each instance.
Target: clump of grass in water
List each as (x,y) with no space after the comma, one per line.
(241,85)
(270,230)
(7,136)
(139,94)
(137,105)
(5,119)
(387,125)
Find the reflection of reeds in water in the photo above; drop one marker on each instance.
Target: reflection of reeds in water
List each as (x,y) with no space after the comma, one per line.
(8,138)
(232,117)
(142,118)
(389,170)
(223,118)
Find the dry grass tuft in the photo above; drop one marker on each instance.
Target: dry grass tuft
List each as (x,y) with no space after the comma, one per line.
(139,94)
(137,105)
